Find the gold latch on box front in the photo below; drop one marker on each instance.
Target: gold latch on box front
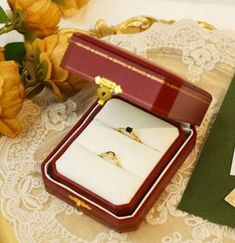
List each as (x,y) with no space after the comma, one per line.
(79,202)
(107,89)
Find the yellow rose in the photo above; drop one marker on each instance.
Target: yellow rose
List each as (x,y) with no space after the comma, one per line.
(40,16)
(11,98)
(69,7)
(2,57)
(51,51)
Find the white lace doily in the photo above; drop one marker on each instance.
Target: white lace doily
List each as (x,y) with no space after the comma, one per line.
(203,57)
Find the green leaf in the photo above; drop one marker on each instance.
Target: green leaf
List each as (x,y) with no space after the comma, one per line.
(37,56)
(3,16)
(44,68)
(15,51)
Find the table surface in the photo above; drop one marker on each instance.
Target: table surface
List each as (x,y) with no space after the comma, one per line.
(35,216)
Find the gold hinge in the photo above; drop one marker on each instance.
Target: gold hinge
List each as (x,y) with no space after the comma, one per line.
(107,89)
(79,202)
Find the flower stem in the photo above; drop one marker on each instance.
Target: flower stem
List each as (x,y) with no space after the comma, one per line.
(7,28)
(33,90)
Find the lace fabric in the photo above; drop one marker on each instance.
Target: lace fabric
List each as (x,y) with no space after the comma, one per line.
(205,58)
(201,50)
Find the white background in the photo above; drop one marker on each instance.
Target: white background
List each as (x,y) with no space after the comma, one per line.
(219,13)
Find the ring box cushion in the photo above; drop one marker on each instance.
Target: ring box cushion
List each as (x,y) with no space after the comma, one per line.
(81,162)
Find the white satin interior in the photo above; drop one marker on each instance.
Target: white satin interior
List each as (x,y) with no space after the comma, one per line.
(81,161)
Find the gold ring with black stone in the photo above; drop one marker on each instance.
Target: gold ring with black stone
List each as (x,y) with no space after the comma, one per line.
(128,131)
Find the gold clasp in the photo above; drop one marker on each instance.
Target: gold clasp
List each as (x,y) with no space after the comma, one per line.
(79,202)
(107,89)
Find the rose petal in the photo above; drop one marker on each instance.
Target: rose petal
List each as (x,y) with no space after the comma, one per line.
(10,127)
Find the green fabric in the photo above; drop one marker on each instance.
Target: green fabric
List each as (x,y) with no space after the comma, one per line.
(211,181)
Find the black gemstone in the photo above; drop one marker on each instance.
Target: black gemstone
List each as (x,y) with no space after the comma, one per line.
(129,129)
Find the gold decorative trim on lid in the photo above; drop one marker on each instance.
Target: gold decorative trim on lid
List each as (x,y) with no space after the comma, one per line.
(106,96)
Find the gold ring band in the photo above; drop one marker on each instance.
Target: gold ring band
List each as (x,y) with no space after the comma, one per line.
(110,156)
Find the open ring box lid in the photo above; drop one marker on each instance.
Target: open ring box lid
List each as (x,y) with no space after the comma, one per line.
(141,97)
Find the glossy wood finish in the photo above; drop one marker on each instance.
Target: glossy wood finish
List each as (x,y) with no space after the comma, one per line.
(144,83)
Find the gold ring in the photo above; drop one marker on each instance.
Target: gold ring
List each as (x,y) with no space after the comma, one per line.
(110,156)
(128,131)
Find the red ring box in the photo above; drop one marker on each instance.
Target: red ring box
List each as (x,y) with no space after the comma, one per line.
(147,87)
